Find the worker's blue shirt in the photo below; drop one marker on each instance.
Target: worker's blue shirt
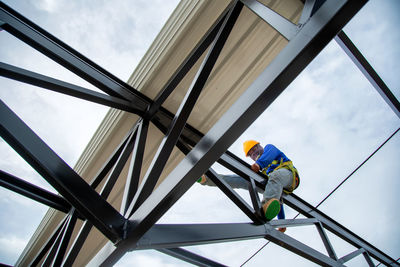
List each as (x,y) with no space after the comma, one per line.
(270,154)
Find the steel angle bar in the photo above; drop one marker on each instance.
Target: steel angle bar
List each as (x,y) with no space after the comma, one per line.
(66,237)
(187,64)
(49,243)
(120,156)
(292,222)
(110,162)
(321,28)
(285,27)
(309,211)
(135,166)
(310,7)
(62,177)
(255,199)
(351,255)
(33,192)
(368,259)
(48,261)
(52,84)
(238,166)
(189,257)
(310,40)
(301,249)
(181,144)
(235,197)
(325,240)
(55,49)
(179,235)
(119,165)
(77,244)
(307,10)
(168,143)
(361,62)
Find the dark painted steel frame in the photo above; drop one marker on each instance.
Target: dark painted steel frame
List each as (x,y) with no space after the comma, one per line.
(23,28)
(52,84)
(189,257)
(168,143)
(169,189)
(361,62)
(61,53)
(62,177)
(285,27)
(34,192)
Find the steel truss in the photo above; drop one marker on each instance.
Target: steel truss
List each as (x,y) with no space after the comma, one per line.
(133,227)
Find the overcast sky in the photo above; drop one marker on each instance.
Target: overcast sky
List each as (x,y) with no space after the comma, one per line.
(327,121)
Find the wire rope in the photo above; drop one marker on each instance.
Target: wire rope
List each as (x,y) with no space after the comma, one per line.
(337,187)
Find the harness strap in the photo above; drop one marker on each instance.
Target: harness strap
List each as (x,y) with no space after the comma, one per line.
(289,166)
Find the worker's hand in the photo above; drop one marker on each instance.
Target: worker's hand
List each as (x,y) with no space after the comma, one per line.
(255,167)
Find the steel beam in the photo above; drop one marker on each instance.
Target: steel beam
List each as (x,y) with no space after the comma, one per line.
(122,153)
(309,211)
(241,168)
(363,65)
(310,40)
(179,235)
(186,65)
(55,49)
(52,84)
(33,192)
(62,177)
(285,27)
(168,143)
(48,261)
(119,165)
(301,249)
(189,257)
(77,244)
(135,167)
(310,7)
(368,259)
(307,10)
(66,237)
(235,197)
(255,199)
(110,162)
(292,222)
(351,255)
(49,243)
(325,241)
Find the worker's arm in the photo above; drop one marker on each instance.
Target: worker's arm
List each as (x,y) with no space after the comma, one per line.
(270,153)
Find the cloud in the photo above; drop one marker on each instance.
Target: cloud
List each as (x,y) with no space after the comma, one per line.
(10,247)
(148,258)
(49,6)
(327,121)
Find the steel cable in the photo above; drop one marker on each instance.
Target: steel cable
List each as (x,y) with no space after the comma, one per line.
(322,201)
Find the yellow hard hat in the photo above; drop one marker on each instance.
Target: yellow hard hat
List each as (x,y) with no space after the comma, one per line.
(247,145)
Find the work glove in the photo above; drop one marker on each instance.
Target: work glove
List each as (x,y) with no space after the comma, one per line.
(255,167)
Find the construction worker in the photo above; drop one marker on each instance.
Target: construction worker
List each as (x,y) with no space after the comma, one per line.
(282,176)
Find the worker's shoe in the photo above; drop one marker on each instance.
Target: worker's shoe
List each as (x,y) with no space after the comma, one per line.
(202,179)
(271,208)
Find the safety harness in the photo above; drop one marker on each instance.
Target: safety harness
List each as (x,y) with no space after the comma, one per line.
(287,165)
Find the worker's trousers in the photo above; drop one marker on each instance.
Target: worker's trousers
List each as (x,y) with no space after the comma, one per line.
(279,179)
